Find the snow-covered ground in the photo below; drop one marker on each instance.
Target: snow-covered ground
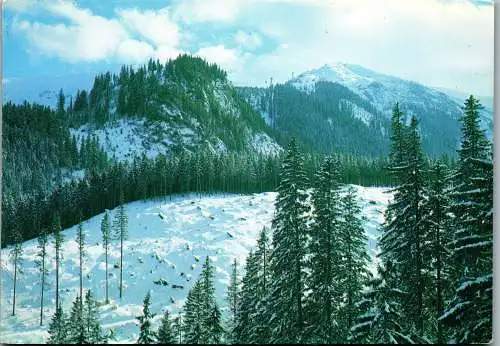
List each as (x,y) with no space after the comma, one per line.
(168,239)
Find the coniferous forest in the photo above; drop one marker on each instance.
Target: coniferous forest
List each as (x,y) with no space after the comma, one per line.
(309,277)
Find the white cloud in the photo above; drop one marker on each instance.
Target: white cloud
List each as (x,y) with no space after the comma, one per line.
(90,37)
(157,27)
(249,41)
(199,11)
(447,44)
(227,58)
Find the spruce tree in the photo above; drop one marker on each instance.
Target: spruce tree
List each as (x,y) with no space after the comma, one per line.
(324,248)
(437,235)
(146,335)
(77,332)
(80,240)
(470,310)
(177,328)
(354,260)
(16,257)
(91,320)
(379,311)
(192,327)
(402,233)
(120,225)
(40,263)
(232,297)
(58,328)
(166,333)
(106,240)
(58,240)
(289,239)
(212,329)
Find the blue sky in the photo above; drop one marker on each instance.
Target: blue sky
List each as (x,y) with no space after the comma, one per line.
(440,43)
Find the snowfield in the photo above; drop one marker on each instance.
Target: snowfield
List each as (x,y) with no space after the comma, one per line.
(168,240)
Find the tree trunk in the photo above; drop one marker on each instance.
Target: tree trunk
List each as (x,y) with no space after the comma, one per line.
(15,281)
(43,284)
(121,265)
(106,255)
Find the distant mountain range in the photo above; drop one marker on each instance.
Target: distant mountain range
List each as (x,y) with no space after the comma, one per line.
(337,107)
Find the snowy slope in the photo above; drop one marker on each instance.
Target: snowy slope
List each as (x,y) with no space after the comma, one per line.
(166,240)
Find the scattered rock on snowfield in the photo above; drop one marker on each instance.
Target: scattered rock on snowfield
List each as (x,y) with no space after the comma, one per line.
(177,286)
(197,258)
(230,235)
(192,266)
(162,282)
(372,202)
(242,219)
(161,216)
(116,266)
(172,300)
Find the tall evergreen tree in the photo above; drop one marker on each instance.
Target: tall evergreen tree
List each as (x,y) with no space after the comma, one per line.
(287,262)
(106,240)
(192,328)
(91,320)
(470,310)
(16,256)
(146,335)
(379,311)
(42,256)
(77,332)
(324,249)
(401,240)
(177,327)
(58,240)
(437,236)
(120,225)
(80,240)
(166,333)
(354,260)
(232,298)
(58,328)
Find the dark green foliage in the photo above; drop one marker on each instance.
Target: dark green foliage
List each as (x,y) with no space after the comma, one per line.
(146,335)
(325,248)
(80,240)
(470,310)
(91,321)
(166,333)
(77,332)
(202,322)
(288,262)
(232,299)
(120,233)
(58,328)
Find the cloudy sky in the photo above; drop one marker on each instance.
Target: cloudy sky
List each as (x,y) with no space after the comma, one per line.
(443,43)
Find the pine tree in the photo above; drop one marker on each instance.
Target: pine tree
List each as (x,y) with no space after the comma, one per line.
(401,240)
(106,240)
(215,331)
(60,103)
(120,225)
(244,323)
(42,255)
(287,262)
(58,240)
(379,312)
(192,326)
(77,333)
(212,329)
(80,240)
(324,249)
(57,327)
(470,310)
(16,256)
(91,320)
(437,236)
(355,259)
(177,327)
(146,335)
(259,331)
(166,334)
(232,297)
